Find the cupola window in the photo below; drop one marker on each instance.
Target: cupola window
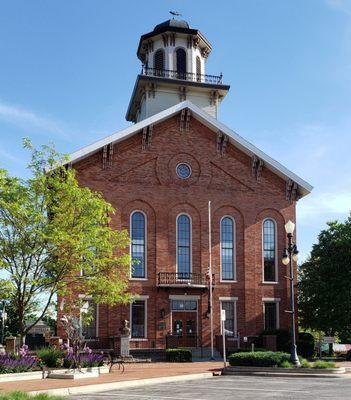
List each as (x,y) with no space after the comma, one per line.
(159,62)
(181,63)
(198,69)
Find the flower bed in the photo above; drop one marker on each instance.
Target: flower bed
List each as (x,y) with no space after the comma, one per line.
(23,362)
(52,357)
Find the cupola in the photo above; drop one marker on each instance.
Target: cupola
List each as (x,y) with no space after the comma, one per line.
(173,57)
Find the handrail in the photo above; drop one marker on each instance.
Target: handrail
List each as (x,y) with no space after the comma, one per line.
(187,76)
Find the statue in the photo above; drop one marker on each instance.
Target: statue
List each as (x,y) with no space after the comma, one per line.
(125,330)
(73,330)
(125,337)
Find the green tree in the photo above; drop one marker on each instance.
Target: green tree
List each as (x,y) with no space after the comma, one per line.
(51,230)
(325,282)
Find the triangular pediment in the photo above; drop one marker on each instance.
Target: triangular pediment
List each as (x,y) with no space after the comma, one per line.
(214,125)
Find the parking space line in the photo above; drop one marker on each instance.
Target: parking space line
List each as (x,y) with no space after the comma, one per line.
(248,388)
(144,396)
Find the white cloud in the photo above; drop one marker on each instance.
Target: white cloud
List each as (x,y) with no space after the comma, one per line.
(28,119)
(340,5)
(313,208)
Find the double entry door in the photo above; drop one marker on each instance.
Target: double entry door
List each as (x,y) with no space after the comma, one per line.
(185,328)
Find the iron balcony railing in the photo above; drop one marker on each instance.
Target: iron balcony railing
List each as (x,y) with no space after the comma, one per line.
(183,279)
(186,76)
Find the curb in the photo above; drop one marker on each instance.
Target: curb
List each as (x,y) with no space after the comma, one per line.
(103,387)
(336,373)
(288,375)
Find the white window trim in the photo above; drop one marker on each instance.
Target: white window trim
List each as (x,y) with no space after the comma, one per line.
(276,281)
(144,339)
(234,250)
(145,246)
(183,297)
(191,241)
(84,297)
(271,300)
(233,300)
(188,165)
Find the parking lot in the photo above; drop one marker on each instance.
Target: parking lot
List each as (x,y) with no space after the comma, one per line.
(235,388)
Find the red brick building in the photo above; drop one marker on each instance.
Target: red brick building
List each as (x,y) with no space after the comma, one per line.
(160,174)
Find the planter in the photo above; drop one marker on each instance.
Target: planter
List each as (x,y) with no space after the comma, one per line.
(73,374)
(21,376)
(92,372)
(56,373)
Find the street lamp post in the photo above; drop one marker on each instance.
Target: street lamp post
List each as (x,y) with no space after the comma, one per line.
(291,254)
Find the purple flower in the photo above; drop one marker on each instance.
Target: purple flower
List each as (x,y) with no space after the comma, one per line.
(10,363)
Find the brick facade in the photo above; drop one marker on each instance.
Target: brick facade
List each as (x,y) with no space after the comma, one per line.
(146,180)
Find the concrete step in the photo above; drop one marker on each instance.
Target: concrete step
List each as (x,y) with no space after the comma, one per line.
(206,353)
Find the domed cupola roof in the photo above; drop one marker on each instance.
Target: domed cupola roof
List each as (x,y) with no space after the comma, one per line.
(172,26)
(172,23)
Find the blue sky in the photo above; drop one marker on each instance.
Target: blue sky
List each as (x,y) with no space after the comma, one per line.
(67,69)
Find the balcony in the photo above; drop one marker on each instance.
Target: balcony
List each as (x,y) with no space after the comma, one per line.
(185,76)
(182,280)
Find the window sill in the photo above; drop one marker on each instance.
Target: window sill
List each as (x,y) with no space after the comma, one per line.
(270,283)
(228,281)
(139,339)
(138,279)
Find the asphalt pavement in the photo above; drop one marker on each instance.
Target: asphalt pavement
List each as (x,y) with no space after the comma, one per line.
(235,388)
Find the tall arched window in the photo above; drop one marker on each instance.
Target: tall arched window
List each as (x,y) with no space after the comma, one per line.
(138,244)
(227,249)
(269,251)
(198,69)
(159,62)
(181,63)
(183,246)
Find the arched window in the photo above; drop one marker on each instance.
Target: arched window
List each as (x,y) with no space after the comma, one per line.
(159,62)
(138,244)
(183,246)
(227,249)
(181,63)
(198,69)
(269,251)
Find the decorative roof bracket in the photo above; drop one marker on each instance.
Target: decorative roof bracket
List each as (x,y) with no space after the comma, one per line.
(292,193)
(257,166)
(222,141)
(146,137)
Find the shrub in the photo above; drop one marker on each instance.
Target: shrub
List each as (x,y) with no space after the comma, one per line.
(305,345)
(259,359)
(178,355)
(286,364)
(348,356)
(247,350)
(26,396)
(323,364)
(51,356)
(304,363)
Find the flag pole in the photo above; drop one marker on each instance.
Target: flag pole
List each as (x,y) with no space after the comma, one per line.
(210,273)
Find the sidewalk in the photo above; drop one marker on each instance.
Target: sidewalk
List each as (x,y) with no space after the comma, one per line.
(133,372)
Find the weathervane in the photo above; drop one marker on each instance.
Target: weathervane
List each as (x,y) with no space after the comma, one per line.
(175,14)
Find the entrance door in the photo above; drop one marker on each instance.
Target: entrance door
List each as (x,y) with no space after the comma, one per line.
(184,326)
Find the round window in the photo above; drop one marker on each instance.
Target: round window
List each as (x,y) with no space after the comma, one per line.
(183,170)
